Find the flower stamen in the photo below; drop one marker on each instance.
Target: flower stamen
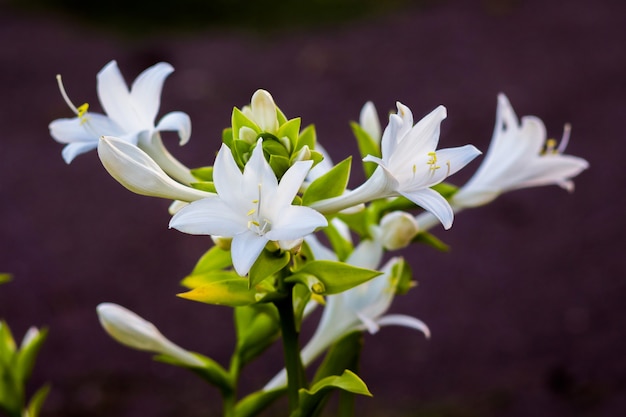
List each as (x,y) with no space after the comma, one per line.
(432,161)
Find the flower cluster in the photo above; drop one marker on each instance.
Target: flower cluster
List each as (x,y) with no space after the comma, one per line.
(270,193)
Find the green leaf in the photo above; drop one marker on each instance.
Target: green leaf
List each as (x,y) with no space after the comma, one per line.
(232,292)
(209,277)
(267,264)
(431,240)
(257,326)
(330,277)
(402,277)
(367,146)
(343,354)
(290,129)
(207,186)
(279,164)
(227,137)
(214,258)
(25,358)
(341,246)
(301,296)
(311,399)
(4,278)
(239,120)
(37,400)
(7,344)
(356,221)
(307,138)
(203,173)
(256,402)
(331,184)
(241,152)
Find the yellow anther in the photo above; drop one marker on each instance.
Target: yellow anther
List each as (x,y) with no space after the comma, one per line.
(251,212)
(81,112)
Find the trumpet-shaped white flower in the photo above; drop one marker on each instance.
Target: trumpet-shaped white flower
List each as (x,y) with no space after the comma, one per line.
(136,171)
(519,157)
(409,166)
(130,115)
(360,308)
(133,331)
(251,207)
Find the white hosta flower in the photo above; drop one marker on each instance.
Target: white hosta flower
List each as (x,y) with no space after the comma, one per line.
(358,309)
(397,229)
(133,331)
(368,119)
(251,207)
(130,115)
(519,157)
(136,171)
(409,166)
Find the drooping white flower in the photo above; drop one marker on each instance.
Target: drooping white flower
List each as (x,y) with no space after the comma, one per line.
(136,171)
(519,157)
(251,207)
(130,115)
(358,309)
(131,330)
(409,166)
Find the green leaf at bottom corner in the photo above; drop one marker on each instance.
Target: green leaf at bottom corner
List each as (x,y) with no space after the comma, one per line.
(4,278)
(348,381)
(37,400)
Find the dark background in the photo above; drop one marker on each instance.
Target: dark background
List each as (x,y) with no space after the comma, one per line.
(527,310)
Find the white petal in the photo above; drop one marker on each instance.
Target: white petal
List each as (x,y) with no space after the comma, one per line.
(210,216)
(115,98)
(145,93)
(258,171)
(367,254)
(433,202)
(228,178)
(72,150)
(291,182)
(552,169)
(404,321)
(245,249)
(176,121)
(293,222)
(368,119)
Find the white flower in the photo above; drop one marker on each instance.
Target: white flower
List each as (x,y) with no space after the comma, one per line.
(360,308)
(130,115)
(251,207)
(519,157)
(136,171)
(409,166)
(131,330)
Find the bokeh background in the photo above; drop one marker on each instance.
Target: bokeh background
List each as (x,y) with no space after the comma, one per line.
(527,310)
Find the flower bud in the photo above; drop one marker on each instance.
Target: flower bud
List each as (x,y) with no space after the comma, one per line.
(397,230)
(133,331)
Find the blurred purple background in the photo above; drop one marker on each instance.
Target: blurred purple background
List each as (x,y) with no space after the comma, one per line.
(528,309)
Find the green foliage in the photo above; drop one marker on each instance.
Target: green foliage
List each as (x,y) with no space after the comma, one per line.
(257,328)
(210,371)
(224,288)
(330,277)
(331,184)
(367,146)
(4,278)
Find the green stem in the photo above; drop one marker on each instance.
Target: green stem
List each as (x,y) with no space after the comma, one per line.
(293,361)
(230,397)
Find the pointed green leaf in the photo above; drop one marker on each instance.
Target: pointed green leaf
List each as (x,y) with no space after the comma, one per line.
(232,292)
(203,173)
(290,129)
(257,326)
(207,186)
(209,277)
(311,399)
(334,277)
(267,264)
(331,184)
(279,164)
(402,277)
(227,137)
(7,344)
(367,146)
(301,297)
(214,258)
(239,120)
(37,400)
(307,138)
(26,356)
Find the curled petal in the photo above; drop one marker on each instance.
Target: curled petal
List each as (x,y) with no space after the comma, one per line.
(176,121)
(404,321)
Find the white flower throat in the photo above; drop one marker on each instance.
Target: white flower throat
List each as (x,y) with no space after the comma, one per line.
(258,224)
